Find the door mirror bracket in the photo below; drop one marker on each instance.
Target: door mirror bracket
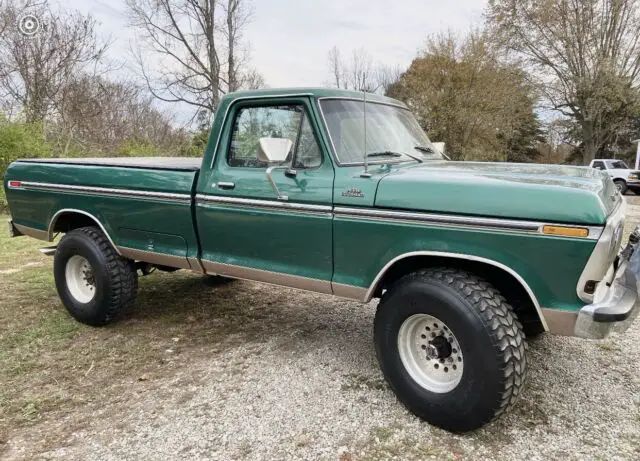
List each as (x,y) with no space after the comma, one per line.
(274,151)
(269,172)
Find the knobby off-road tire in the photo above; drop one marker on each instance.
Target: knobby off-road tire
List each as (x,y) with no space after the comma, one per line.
(107,283)
(470,315)
(621,185)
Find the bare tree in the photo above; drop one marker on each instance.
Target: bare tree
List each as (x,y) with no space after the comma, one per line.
(34,68)
(387,76)
(196,49)
(357,73)
(586,54)
(3,18)
(101,115)
(337,68)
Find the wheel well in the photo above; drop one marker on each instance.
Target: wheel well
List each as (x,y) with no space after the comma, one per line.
(508,285)
(71,220)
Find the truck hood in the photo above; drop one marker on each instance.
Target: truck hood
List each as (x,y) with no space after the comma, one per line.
(558,193)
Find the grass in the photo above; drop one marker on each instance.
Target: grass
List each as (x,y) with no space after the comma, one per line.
(390,442)
(609,346)
(51,365)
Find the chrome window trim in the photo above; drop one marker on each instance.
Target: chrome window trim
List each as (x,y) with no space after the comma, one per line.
(351,98)
(244,98)
(599,262)
(491,262)
(54,219)
(308,115)
(106,191)
(334,152)
(265,204)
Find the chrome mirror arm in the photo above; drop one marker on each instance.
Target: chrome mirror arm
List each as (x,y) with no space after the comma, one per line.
(273,183)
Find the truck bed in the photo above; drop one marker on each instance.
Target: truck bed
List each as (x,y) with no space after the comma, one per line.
(143,204)
(154,163)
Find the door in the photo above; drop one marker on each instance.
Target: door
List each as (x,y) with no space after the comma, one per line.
(250,228)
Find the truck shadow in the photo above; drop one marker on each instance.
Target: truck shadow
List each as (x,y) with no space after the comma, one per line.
(199,340)
(293,322)
(241,312)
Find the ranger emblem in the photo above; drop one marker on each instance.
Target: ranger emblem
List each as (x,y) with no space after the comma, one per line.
(353,192)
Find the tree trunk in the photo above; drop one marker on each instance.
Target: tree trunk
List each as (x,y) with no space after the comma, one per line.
(231,30)
(589,144)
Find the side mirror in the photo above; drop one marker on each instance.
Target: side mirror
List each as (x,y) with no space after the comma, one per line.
(440,146)
(274,150)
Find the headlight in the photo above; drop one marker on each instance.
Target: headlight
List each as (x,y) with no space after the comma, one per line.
(634,176)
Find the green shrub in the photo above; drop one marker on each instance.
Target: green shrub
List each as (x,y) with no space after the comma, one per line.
(20,140)
(135,148)
(195,145)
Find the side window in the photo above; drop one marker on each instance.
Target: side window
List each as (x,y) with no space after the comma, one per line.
(598,165)
(287,121)
(308,153)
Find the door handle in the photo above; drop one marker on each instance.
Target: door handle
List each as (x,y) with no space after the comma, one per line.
(226,185)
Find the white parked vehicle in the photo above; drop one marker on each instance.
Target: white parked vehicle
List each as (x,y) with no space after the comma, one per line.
(623,177)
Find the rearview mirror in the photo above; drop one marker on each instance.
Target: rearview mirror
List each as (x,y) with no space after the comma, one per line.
(274,150)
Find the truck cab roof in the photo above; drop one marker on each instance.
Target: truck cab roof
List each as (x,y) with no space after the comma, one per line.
(311,91)
(609,164)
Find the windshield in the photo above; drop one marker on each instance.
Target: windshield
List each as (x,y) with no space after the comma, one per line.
(618,165)
(390,131)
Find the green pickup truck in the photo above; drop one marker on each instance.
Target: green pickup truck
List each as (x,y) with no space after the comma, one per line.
(342,193)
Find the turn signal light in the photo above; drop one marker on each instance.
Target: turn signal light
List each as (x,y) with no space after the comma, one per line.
(15,184)
(565,231)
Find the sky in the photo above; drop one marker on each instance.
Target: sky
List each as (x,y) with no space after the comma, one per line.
(289,39)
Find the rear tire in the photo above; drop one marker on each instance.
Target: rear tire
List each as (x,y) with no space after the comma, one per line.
(621,185)
(94,282)
(450,347)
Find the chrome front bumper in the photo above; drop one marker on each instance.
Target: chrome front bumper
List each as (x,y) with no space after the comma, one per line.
(617,303)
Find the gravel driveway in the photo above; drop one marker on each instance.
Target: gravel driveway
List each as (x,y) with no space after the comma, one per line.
(297,379)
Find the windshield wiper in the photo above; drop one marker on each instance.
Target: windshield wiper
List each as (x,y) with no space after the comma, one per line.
(388,153)
(425,149)
(430,150)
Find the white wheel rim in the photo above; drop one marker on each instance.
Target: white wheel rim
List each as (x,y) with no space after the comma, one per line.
(79,277)
(430,353)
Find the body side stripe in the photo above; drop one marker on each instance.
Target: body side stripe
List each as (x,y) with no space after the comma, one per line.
(378,214)
(105,191)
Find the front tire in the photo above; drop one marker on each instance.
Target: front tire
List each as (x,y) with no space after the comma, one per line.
(621,185)
(93,281)
(450,347)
